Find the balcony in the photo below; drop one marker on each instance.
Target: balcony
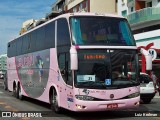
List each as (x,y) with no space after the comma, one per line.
(128,1)
(144,15)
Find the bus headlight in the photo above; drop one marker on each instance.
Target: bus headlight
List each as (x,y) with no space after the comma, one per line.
(133,95)
(84,97)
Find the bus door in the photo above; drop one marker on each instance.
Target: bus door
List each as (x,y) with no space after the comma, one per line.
(65,74)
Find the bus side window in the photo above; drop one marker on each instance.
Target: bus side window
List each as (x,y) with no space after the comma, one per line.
(61,61)
(69,72)
(63,37)
(64,66)
(40,39)
(19,46)
(32,41)
(25,44)
(50,35)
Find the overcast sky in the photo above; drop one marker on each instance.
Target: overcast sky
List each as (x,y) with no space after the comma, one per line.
(14,12)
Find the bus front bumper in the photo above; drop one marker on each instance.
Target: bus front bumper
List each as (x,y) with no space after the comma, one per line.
(82,106)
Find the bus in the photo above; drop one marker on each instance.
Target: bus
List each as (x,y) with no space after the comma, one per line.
(76,61)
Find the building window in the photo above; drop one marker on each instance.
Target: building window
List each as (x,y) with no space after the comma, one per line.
(74,9)
(149,4)
(123,3)
(80,6)
(131,9)
(86,6)
(124,13)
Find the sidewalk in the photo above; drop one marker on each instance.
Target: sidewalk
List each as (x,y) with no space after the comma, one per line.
(157,95)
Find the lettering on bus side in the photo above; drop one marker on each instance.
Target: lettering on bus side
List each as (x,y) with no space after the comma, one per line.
(33,71)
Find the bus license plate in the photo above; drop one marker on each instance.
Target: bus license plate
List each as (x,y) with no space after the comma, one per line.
(115,105)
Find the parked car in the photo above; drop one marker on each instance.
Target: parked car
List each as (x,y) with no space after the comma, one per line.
(147,89)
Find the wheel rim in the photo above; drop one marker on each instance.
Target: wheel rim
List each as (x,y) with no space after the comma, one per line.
(55,101)
(20,94)
(14,91)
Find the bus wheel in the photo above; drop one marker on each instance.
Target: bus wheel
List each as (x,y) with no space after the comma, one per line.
(20,96)
(5,84)
(54,102)
(15,91)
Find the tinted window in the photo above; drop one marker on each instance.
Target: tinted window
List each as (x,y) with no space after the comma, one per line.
(40,41)
(19,45)
(8,50)
(101,31)
(12,49)
(63,37)
(50,35)
(64,66)
(32,41)
(25,44)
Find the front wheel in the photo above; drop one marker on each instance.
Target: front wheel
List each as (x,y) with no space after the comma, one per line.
(54,102)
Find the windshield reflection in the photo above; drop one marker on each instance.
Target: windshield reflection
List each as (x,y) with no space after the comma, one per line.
(101,31)
(110,71)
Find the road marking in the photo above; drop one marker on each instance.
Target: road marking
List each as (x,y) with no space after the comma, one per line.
(7,107)
(25,118)
(2,103)
(156,96)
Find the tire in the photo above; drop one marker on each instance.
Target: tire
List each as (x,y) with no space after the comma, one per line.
(54,102)
(5,84)
(15,94)
(20,96)
(146,101)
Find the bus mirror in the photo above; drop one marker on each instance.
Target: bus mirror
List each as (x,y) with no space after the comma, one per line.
(74,59)
(148,58)
(148,62)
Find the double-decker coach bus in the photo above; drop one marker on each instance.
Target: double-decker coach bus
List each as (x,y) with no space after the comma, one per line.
(76,61)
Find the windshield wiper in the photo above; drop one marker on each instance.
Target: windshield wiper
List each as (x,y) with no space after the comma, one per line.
(121,77)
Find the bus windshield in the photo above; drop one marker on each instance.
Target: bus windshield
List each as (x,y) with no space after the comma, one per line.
(101,31)
(106,69)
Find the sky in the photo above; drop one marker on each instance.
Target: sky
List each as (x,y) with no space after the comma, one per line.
(14,12)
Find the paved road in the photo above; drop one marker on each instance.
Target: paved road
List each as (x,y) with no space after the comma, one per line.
(9,103)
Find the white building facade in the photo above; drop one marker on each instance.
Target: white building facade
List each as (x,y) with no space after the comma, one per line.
(144,19)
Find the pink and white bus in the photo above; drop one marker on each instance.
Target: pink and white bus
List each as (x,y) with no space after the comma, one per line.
(76,61)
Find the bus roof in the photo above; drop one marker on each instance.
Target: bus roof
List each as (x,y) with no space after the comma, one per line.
(89,14)
(67,15)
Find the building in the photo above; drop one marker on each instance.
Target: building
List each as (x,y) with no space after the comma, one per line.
(26,25)
(144,19)
(30,24)
(60,6)
(3,66)
(100,6)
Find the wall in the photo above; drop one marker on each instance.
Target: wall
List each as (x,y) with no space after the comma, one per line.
(103,6)
(73,3)
(143,39)
(122,6)
(140,5)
